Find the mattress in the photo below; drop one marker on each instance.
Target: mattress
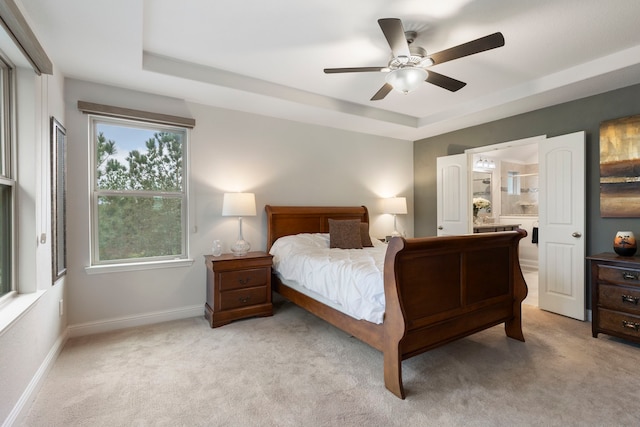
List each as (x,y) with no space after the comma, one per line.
(348,280)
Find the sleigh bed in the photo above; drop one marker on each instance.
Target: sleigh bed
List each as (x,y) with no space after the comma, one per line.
(436,289)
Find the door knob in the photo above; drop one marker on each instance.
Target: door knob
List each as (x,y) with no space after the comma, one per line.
(576,234)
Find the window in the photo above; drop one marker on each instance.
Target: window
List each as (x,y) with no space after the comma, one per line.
(513,182)
(7,184)
(139,197)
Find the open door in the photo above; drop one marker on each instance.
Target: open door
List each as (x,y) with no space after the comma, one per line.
(453,195)
(562,225)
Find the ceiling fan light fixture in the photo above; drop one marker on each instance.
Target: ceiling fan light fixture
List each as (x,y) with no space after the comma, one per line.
(426,62)
(406,79)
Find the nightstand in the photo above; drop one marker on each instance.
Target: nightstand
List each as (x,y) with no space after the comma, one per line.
(238,287)
(615,287)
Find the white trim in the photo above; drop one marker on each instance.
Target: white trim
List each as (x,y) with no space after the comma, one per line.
(114,324)
(134,266)
(529,264)
(16,305)
(23,405)
(508,144)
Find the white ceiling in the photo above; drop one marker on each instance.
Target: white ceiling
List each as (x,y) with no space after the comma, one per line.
(267,57)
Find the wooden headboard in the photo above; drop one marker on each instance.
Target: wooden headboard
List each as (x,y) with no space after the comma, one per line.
(287,220)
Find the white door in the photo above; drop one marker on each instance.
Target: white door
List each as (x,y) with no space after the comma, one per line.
(561,239)
(452,195)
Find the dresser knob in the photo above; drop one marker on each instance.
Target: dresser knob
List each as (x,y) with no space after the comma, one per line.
(630,276)
(631,325)
(630,299)
(244,281)
(244,300)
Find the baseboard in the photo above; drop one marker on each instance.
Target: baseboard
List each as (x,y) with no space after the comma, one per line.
(107,325)
(29,394)
(529,265)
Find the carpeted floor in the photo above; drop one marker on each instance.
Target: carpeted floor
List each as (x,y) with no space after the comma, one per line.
(293,369)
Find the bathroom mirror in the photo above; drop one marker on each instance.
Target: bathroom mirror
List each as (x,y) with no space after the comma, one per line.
(482,185)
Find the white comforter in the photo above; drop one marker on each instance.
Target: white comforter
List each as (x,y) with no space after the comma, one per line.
(351,278)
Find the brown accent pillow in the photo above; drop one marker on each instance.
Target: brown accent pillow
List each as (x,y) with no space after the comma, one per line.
(345,234)
(364,235)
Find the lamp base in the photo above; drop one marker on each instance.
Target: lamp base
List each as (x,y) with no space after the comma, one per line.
(240,248)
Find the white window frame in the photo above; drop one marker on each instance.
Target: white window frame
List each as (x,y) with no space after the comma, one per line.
(12,291)
(183,259)
(7,165)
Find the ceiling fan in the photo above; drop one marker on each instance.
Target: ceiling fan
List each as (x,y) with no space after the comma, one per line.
(408,66)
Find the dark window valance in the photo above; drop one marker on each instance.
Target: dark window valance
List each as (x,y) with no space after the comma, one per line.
(127,113)
(18,29)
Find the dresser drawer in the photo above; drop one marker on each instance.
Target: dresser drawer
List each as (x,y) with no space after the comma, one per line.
(243,297)
(243,278)
(622,323)
(623,276)
(619,298)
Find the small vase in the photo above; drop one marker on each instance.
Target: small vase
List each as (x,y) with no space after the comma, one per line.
(216,248)
(624,243)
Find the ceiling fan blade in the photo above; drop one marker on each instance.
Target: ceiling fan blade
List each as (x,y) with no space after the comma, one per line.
(444,82)
(352,70)
(491,41)
(394,32)
(384,91)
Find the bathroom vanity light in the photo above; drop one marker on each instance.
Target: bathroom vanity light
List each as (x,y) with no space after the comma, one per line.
(485,164)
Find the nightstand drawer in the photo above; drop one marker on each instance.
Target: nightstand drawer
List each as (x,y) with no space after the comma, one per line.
(243,278)
(621,323)
(623,276)
(243,297)
(619,298)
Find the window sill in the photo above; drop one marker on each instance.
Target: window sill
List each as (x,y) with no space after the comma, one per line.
(14,307)
(116,268)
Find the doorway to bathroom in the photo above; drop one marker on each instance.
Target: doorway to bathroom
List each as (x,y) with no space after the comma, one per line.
(505,188)
(545,197)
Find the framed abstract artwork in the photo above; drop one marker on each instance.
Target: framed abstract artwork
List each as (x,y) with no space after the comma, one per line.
(620,167)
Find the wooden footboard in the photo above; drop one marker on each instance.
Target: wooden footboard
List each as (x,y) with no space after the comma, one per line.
(440,289)
(437,289)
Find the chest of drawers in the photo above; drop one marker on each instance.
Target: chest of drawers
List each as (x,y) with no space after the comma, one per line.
(238,287)
(615,287)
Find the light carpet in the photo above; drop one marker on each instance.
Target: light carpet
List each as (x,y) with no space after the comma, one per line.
(294,369)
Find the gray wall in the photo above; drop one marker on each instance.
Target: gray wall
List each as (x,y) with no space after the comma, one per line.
(581,115)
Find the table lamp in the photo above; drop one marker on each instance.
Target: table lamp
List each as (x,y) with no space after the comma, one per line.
(395,206)
(239,204)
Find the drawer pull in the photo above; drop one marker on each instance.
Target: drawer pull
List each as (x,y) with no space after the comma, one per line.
(629,276)
(244,300)
(244,281)
(630,299)
(631,325)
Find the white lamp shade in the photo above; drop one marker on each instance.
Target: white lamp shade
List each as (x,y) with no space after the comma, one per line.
(394,205)
(406,79)
(239,204)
